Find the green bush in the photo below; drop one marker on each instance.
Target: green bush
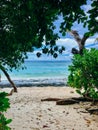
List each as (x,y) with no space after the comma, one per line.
(4,102)
(4,105)
(84,73)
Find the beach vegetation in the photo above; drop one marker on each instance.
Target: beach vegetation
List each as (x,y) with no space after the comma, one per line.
(4,105)
(84,74)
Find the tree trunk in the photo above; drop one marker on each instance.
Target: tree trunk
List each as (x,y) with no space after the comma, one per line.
(9,79)
(80,41)
(81,47)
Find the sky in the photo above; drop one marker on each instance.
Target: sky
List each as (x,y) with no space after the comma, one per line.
(68,41)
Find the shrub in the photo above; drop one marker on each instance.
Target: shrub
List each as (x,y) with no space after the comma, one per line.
(4,105)
(84,73)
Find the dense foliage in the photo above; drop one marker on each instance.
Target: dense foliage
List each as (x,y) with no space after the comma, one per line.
(84,74)
(4,105)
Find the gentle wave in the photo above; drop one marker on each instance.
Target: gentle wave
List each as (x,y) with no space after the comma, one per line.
(36,82)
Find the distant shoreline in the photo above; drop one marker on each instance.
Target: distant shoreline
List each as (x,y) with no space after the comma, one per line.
(41,82)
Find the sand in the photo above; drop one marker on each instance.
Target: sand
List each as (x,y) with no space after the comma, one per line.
(29,113)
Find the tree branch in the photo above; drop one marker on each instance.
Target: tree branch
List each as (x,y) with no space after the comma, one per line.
(8,77)
(76,36)
(84,39)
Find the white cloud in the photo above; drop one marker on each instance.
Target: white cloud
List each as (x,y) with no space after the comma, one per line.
(68,44)
(91,41)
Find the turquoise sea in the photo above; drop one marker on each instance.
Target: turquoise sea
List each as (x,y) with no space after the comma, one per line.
(40,73)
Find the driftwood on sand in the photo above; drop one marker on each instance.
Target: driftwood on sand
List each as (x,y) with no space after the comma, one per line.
(74,100)
(67,101)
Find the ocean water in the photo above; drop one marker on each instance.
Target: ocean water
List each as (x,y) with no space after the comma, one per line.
(40,73)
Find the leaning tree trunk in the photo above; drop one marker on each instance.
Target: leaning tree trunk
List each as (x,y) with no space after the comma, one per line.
(8,77)
(80,41)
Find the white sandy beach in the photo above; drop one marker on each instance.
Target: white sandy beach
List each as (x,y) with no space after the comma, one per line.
(29,113)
